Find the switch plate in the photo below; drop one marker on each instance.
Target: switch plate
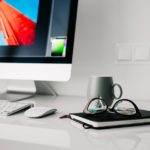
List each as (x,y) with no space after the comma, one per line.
(124,53)
(142,53)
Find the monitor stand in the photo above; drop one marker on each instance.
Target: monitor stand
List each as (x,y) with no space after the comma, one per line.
(20,90)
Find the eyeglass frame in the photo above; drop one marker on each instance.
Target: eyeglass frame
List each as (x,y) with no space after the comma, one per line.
(111,109)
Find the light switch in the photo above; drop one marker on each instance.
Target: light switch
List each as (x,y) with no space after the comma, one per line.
(142,53)
(124,53)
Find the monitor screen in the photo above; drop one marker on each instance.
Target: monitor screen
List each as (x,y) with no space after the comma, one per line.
(37,31)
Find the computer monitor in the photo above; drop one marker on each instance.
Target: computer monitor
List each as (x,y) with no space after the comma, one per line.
(36,39)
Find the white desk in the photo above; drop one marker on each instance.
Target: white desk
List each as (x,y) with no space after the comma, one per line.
(51,133)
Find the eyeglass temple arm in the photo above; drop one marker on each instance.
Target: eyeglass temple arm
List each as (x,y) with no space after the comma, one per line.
(137,109)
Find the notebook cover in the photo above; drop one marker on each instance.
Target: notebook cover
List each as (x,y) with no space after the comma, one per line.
(112,119)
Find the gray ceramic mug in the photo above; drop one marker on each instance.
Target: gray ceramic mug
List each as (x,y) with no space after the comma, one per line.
(103,87)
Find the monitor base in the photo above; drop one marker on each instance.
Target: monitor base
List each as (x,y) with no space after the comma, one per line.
(20,90)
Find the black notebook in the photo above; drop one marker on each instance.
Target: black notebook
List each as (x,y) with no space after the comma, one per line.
(111,120)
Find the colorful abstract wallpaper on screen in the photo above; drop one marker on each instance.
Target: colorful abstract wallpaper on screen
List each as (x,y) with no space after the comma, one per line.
(18,20)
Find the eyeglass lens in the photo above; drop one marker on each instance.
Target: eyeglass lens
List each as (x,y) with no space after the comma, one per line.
(97,106)
(125,108)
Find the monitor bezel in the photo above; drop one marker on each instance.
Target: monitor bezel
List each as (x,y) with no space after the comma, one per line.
(42,35)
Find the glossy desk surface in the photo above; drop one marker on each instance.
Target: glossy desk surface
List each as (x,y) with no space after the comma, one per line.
(51,133)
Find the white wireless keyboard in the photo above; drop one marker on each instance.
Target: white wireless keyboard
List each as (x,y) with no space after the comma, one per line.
(9,108)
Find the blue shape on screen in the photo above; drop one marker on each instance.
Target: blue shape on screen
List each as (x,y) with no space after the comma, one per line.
(27,7)
(2,39)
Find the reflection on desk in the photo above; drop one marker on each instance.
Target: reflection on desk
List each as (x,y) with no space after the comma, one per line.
(34,135)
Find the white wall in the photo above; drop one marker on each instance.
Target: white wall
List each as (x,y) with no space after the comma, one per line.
(100,25)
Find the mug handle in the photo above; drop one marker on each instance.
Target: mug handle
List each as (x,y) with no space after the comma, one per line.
(121,91)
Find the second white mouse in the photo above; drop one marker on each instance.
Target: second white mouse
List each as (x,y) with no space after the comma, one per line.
(38,112)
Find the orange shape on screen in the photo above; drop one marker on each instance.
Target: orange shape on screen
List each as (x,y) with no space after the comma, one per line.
(17,29)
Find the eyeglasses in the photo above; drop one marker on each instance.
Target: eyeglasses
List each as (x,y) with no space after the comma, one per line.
(123,107)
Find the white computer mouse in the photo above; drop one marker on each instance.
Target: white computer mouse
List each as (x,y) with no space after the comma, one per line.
(38,112)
